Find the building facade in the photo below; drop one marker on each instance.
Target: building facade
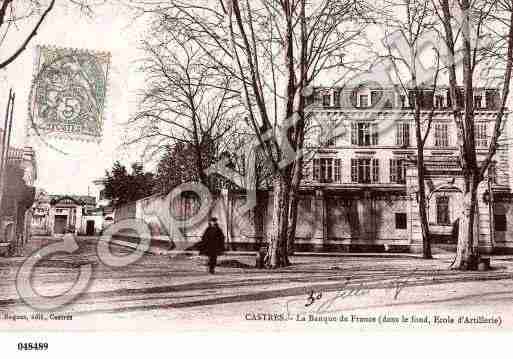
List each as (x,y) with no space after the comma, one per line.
(17,199)
(59,214)
(363,174)
(360,186)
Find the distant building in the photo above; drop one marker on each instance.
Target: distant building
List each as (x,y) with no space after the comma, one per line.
(98,191)
(16,214)
(103,203)
(58,214)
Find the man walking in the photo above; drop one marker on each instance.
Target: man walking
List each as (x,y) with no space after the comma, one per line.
(212,243)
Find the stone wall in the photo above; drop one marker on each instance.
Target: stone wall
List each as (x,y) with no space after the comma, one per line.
(327,221)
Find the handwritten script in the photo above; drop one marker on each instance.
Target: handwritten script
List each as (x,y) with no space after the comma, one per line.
(322,302)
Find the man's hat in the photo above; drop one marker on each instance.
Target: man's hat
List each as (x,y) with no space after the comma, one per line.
(213,219)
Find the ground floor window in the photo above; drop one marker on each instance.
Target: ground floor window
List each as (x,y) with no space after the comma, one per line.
(400,221)
(442,210)
(500,222)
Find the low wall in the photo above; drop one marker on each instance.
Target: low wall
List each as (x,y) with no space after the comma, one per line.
(325,223)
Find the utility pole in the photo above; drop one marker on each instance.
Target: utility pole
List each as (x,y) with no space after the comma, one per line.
(6,143)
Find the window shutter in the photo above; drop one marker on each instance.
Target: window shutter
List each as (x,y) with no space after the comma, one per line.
(353,98)
(398,135)
(354,170)
(337,170)
(406,134)
(374,133)
(441,135)
(317,170)
(336,98)
(402,171)
(411,99)
(375,170)
(393,171)
(354,133)
(481,135)
(306,172)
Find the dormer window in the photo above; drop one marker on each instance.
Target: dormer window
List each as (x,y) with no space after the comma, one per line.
(491,100)
(326,100)
(336,99)
(364,101)
(439,101)
(478,101)
(402,100)
(376,97)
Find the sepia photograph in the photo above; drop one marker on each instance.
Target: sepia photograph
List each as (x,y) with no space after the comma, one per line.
(283,166)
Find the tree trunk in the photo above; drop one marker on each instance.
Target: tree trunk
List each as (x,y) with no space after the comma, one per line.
(291,232)
(277,256)
(467,255)
(294,200)
(426,240)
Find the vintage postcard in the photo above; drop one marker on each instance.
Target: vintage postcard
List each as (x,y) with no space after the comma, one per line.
(255,165)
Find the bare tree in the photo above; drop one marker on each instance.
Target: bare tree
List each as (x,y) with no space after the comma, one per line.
(185,103)
(474,32)
(17,16)
(274,50)
(411,24)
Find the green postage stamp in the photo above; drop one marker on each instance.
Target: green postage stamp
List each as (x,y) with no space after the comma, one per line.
(67,98)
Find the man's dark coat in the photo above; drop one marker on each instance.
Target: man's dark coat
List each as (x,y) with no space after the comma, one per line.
(212,242)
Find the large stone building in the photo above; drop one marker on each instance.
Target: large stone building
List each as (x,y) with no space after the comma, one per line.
(359,189)
(363,182)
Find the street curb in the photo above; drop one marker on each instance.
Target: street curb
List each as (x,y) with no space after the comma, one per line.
(174,252)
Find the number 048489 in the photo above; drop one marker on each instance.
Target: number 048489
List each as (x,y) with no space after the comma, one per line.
(32,346)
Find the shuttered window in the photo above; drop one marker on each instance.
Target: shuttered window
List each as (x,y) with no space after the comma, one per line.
(365,170)
(364,101)
(441,135)
(375,170)
(337,170)
(326,100)
(481,133)
(364,134)
(317,169)
(336,99)
(354,170)
(327,169)
(402,134)
(397,171)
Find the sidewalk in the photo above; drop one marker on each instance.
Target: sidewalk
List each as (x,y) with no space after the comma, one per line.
(163,292)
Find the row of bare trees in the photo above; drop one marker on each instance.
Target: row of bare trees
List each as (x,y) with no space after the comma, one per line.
(470,45)
(233,69)
(244,69)
(263,56)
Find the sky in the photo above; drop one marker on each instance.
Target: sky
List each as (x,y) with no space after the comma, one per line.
(110,29)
